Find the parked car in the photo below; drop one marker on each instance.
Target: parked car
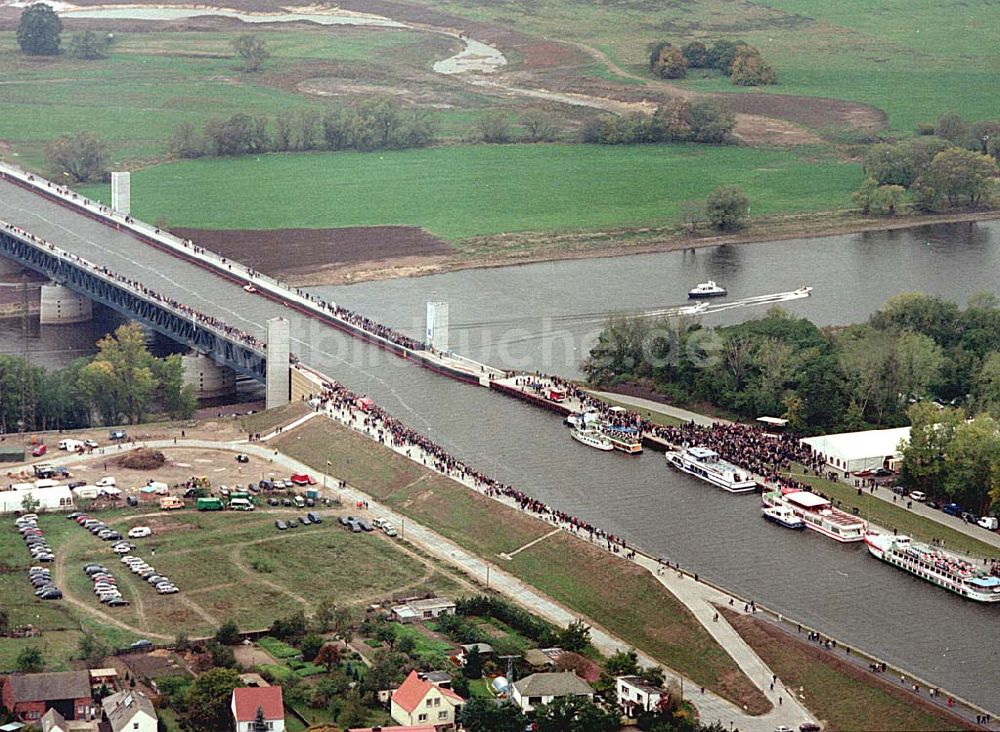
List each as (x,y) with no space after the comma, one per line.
(952,509)
(898,490)
(39,450)
(242,458)
(91,443)
(117,435)
(305,521)
(882,473)
(918,496)
(280,525)
(315,517)
(989,522)
(138,532)
(142,645)
(969,517)
(365,526)
(292,523)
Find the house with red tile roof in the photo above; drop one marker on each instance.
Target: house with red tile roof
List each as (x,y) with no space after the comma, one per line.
(419,702)
(258,709)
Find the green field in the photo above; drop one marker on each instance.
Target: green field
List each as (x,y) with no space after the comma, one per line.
(915,60)
(465,191)
(228,566)
(152,82)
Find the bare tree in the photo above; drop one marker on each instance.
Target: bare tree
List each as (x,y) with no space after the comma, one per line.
(252,51)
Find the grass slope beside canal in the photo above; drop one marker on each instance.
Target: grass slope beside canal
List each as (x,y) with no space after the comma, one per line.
(843,696)
(622,598)
(465,191)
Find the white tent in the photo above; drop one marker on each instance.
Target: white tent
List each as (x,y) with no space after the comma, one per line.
(51,499)
(854,451)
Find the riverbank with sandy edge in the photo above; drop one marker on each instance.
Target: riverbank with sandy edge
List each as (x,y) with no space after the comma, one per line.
(304,268)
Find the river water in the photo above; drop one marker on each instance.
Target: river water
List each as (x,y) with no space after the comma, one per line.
(839,589)
(546,316)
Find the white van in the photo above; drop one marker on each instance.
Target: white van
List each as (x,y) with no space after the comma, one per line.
(918,496)
(240,504)
(158,487)
(71,445)
(989,522)
(105,482)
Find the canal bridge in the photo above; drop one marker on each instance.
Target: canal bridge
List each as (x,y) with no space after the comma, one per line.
(240,318)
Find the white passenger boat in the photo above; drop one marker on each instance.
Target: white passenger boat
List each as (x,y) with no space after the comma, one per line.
(627,440)
(952,572)
(583,420)
(707,289)
(819,515)
(783,516)
(707,465)
(592,438)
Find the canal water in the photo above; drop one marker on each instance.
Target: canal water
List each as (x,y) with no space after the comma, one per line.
(838,589)
(546,315)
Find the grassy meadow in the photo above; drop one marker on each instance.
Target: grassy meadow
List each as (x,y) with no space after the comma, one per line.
(151,82)
(228,566)
(916,60)
(457,192)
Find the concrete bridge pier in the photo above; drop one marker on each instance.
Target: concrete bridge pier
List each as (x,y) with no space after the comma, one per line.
(209,379)
(62,306)
(278,376)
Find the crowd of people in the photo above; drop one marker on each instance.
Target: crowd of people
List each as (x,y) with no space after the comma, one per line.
(388,430)
(139,288)
(767,454)
(349,316)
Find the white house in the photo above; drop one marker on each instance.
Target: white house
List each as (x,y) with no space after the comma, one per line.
(129,710)
(635,694)
(258,708)
(423,609)
(418,701)
(537,689)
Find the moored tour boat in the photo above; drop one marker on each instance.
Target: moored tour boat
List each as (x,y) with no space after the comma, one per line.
(625,439)
(950,571)
(592,438)
(707,289)
(818,514)
(583,420)
(707,465)
(783,516)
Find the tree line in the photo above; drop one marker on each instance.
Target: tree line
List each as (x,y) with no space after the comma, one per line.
(738,60)
(120,384)
(376,124)
(39,33)
(955,169)
(954,457)
(680,120)
(916,349)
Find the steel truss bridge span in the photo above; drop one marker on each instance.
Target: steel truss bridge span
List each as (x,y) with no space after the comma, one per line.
(91,281)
